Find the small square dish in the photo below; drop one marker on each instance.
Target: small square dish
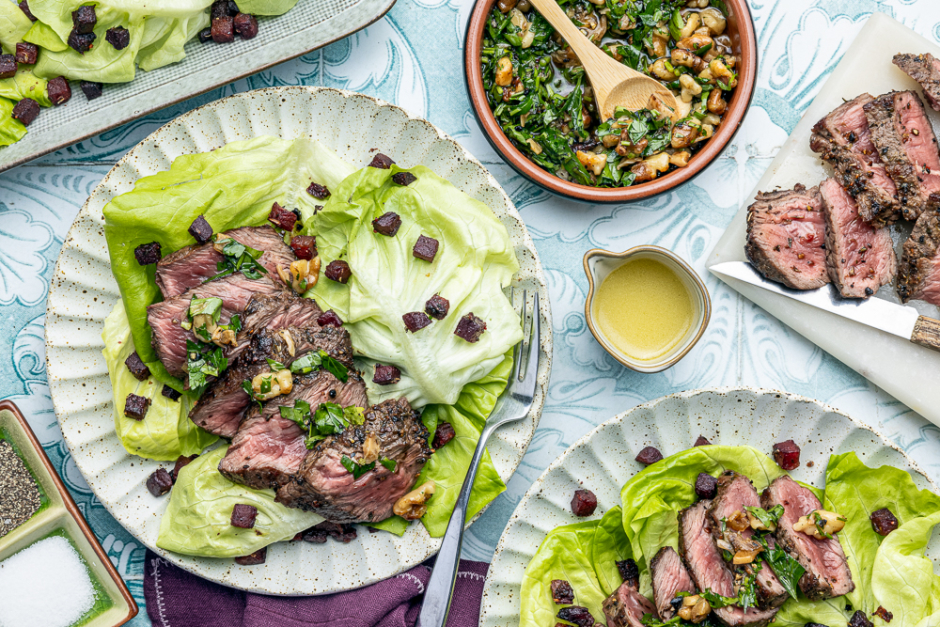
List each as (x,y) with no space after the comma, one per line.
(42,525)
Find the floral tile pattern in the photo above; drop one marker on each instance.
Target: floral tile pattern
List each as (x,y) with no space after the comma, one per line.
(413,58)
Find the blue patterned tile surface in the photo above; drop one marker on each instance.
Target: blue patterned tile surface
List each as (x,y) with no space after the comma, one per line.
(412,58)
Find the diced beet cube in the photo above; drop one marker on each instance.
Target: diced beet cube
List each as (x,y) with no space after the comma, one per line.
(137,367)
(702,441)
(181,462)
(443,434)
(347,535)
(7,66)
(583,503)
(254,559)
(329,319)
(92,90)
(84,19)
(706,486)
(883,521)
(224,7)
(425,248)
(81,42)
(223,29)
(859,620)
(649,455)
(416,320)
(243,516)
(562,594)
(24,7)
(26,53)
(59,90)
(318,191)
(170,393)
(282,218)
(404,178)
(629,571)
(205,35)
(147,254)
(576,614)
(26,111)
(386,375)
(883,614)
(787,455)
(119,37)
(381,161)
(338,271)
(304,246)
(136,406)
(320,532)
(437,307)
(246,26)
(160,482)
(387,224)
(201,230)
(470,328)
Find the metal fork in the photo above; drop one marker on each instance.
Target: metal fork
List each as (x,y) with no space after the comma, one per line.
(514,404)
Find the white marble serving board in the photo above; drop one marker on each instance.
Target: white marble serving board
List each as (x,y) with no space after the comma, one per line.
(904,370)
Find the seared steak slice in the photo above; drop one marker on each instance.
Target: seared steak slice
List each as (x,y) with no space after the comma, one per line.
(709,571)
(669,579)
(827,571)
(223,404)
(843,139)
(735,492)
(925,69)
(626,606)
(323,484)
(908,147)
(785,238)
(169,338)
(919,271)
(275,311)
(193,265)
(268,450)
(859,258)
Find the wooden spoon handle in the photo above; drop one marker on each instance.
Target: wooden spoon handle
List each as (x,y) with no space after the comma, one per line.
(926,332)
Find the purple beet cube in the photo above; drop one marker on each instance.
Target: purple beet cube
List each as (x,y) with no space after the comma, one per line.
(24,7)
(223,29)
(404,178)
(329,319)
(282,218)
(338,271)
(387,224)
(26,111)
(318,191)
(243,516)
(425,248)
(787,455)
(59,90)
(649,455)
(583,503)
(205,35)
(470,328)
(119,37)
(883,521)
(147,254)
(160,482)
(81,42)
(246,26)
(381,161)
(386,375)
(702,441)
(416,320)
(254,559)
(201,230)
(437,307)
(170,393)
(580,616)
(26,53)
(629,571)
(706,486)
(8,66)
(84,19)
(224,7)
(304,246)
(443,434)
(137,367)
(562,593)
(92,90)
(136,406)
(181,462)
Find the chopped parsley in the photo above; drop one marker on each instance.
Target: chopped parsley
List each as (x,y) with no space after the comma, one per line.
(275,365)
(357,470)
(390,464)
(203,361)
(239,258)
(328,419)
(320,359)
(788,570)
(767,518)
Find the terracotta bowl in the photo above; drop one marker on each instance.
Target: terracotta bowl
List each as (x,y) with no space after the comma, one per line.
(744,44)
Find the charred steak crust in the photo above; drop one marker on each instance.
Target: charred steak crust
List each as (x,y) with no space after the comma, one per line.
(275,311)
(827,571)
(786,238)
(626,607)
(919,270)
(925,69)
(324,486)
(670,577)
(843,140)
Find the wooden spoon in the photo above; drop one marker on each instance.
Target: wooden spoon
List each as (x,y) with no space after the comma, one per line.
(615,85)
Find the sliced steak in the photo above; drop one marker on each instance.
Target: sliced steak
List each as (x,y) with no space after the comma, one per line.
(669,579)
(169,338)
(323,484)
(859,258)
(193,265)
(275,311)
(925,69)
(222,406)
(626,607)
(785,238)
(735,492)
(919,270)
(709,571)
(267,451)
(843,139)
(827,571)
(907,145)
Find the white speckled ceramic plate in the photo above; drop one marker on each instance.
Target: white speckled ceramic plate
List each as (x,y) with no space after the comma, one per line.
(603,461)
(83,291)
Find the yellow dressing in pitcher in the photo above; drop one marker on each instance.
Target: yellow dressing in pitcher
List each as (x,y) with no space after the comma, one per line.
(643,308)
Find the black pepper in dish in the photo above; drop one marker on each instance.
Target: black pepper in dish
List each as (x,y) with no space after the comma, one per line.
(19,495)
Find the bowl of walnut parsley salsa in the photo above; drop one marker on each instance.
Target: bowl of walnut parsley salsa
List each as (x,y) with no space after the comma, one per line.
(532,97)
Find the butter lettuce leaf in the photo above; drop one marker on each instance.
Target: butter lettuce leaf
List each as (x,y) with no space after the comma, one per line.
(13,26)
(11,129)
(166,432)
(903,580)
(198,519)
(25,84)
(265,7)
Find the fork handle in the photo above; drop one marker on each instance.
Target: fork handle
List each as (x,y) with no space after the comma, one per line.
(440,588)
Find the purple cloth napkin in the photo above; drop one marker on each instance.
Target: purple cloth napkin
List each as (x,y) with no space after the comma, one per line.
(176,598)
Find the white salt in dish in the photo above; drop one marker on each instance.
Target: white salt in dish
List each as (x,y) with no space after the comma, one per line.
(48,578)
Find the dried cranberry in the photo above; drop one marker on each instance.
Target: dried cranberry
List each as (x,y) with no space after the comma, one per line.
(706,486)
(170,393)
(205,35)
(443,434)
(629,572)
(329,319)
(254,559)
(576,614)
(7,66)
(243,516)
(304,246)
(649,455)
(859,620)
(223,29)
(246,26)
(425,248)
(181,462)
(883,521)
(387,224)
(26,111)
(201,230)
(137,367)
(702,441)
(119,37)
(470,328)
(318,191)
(437,307)
(404,178)
(136,406)
(92,90)
(562,594)
(583,503)
(84,19)
(381,161)
(281,217)
(386,375)
(338,271)
(24,7)
(416,320)
(787,455)
(81,43)
(59,90)
(883,614)
(26,53)
(147,254)
(160,482)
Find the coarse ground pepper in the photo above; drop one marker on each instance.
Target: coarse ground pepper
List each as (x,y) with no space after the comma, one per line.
(19,495)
